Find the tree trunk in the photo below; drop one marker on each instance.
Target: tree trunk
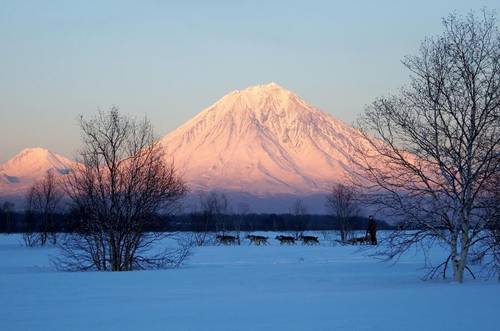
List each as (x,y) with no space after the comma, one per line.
(459,254)
(458,269)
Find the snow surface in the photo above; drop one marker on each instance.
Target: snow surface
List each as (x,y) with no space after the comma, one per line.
(242,288)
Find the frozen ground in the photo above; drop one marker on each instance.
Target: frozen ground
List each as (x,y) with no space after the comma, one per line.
(241,288)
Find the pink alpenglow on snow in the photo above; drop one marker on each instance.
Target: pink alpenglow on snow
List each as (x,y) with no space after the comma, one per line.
(20,172)
(262,140)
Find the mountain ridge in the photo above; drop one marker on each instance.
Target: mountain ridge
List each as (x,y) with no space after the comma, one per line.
(262,141)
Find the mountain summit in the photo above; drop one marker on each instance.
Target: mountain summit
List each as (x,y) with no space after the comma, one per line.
(20,172)
(259,143)
(262,140)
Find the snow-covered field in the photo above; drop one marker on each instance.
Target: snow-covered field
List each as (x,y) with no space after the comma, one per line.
(242,288)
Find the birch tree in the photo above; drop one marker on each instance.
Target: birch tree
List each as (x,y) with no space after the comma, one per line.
(431,149)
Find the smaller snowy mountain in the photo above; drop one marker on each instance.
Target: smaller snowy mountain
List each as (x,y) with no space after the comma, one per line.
(20,172)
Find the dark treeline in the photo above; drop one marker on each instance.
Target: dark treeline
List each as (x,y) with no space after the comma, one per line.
(263,222)
(19,222)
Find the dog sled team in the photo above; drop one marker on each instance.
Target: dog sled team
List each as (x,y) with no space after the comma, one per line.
(262,240)
(227,240)
(289,240)
(369,238)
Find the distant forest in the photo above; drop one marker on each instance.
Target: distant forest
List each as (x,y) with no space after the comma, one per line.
(20,222)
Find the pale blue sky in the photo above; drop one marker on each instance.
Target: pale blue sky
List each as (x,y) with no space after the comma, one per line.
(169,60)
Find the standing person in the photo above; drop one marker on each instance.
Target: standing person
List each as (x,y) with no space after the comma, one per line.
(372,230)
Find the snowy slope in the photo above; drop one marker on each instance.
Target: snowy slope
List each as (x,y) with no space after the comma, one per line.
(262,140)
(20,172)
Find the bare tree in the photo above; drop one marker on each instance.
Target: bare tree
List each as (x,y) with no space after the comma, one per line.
(430,150)
(342,203)
(215,207)
(42,202)
(212,216)
(301,219)
(121,184)
(487,250)
(242,210)
(30,236)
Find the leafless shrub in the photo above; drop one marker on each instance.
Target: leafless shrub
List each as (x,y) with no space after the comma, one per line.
(42,201)
(81,252)
(30,238)
(121,184)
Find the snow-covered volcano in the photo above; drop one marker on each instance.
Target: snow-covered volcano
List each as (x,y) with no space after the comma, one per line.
(20,172)
(264,144)
(262,140)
